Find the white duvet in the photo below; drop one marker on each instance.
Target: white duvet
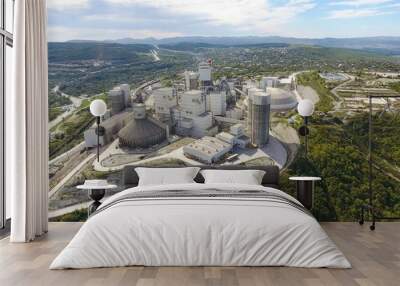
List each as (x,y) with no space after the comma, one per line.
(202,232)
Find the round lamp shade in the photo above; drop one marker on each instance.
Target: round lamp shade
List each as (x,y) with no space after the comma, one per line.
(305,107)
(98,107)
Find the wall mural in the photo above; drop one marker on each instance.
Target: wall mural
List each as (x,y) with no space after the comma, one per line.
(188,103)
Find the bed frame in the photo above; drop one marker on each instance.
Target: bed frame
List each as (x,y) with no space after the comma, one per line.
(271,178)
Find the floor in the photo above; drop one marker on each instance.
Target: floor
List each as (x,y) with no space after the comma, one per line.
(375,257)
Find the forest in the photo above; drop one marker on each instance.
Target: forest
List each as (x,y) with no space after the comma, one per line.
(338,152)
(93,68)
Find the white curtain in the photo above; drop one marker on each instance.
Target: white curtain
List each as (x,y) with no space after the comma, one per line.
(27,123)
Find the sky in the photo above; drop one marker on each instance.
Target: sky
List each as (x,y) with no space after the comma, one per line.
(116,19)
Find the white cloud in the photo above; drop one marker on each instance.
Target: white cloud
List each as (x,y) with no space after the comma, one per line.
(67,4)
(61,34)
(108,17)
(243,14)
(360,2)
(355,13)
(362,8)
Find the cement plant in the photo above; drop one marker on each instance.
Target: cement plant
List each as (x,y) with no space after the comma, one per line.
(189,105)
(225,121)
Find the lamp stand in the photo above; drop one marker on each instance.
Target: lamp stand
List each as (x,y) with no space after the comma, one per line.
(98,138)
(306,137)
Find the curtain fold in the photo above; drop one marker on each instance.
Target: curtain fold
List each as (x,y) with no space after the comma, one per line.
(27,124)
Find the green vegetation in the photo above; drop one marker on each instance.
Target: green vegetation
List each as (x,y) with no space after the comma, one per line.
(338,155)
(255,61)
(77,215)
(54,113)
(90,174)
(395,86)
(164,163)
(385,140)
(69,52)
(313,80)
(92,68)
(86,102)
(263,161)
(337,149)
(57,100)
(71,132)
(199,47)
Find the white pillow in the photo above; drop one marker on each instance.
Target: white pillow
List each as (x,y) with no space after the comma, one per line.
(243,177)
(166,176)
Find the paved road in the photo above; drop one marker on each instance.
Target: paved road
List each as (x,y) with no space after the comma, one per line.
(76,103)
(339,101)
(154,53)
(63,156)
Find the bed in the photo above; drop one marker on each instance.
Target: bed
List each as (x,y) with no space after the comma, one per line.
(198,224)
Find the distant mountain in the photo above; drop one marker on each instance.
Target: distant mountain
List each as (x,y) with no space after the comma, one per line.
(193,46)
(385,45)
(85,50)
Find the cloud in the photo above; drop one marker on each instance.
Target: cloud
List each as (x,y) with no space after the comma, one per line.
(360,2)
(361,8)
(62,5)
(356,13)
(241,14)
(61,34)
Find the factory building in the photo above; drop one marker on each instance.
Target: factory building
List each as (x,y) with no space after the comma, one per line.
(164,100)
(234,113)
(195,126)
(217,103)
(250,84)
(226,137)
(126,91)
(205,74)
(236,136)
(192,103)
(281,99)
(117,100)
(269,81)
(142,131)
(111,126)
(191,80)
(259,106)
(202,125)
(207,149)
(237,129)
(289,82)
(241,140)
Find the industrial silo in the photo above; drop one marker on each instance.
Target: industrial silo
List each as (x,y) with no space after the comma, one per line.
(259,117)
(117,100)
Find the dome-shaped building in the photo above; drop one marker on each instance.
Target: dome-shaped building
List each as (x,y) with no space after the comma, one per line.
(281,99)
(141,132)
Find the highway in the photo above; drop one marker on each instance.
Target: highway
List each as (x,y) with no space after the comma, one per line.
(76,103)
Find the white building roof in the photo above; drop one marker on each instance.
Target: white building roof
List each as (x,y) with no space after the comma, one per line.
(209,145)
(227,137)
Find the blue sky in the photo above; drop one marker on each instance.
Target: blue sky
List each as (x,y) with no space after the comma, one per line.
(115,19)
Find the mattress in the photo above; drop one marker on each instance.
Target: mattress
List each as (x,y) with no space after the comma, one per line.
(201,225)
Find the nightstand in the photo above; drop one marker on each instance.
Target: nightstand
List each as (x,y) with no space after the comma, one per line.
(96,191)
(305,190)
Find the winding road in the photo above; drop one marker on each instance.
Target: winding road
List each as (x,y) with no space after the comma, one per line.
(76,103)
